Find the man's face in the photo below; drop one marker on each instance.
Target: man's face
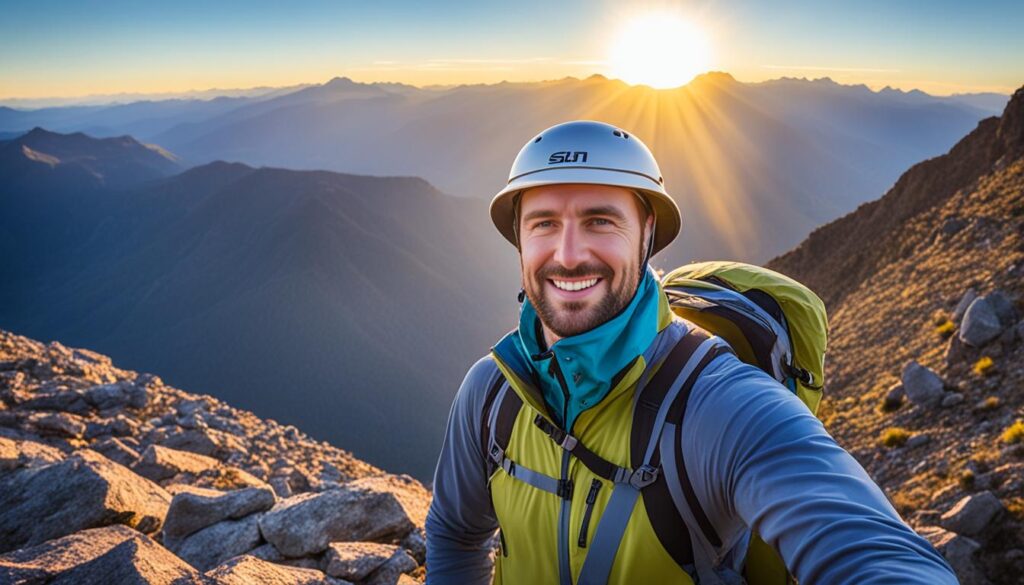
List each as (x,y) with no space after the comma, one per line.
(580,252)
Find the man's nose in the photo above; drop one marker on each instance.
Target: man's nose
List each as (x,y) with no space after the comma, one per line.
(572,250)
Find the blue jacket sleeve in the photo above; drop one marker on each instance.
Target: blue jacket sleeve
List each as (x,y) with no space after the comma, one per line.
(758,458)
(461,519)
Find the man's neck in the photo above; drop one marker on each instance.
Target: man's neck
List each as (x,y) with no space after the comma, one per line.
(549,336)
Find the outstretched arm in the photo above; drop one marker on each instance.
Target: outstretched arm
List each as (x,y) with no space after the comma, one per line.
(757,457)
(461,518)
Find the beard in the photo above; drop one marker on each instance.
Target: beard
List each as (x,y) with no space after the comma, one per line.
(568,318)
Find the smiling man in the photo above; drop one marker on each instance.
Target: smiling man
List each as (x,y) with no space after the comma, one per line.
(555,436)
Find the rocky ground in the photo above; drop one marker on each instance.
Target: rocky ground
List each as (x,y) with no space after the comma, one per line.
(111,476)
(925,367)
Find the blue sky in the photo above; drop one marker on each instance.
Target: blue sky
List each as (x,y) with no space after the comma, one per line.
(79,47)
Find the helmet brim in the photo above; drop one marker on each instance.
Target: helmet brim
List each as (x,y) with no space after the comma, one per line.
(666,213)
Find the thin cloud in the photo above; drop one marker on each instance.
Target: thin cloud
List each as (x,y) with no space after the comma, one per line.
(529,60)
(843,69)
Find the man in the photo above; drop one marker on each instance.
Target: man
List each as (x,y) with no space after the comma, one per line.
(586,207)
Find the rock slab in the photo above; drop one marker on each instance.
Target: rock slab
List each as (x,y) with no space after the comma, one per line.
(85,491)
(112,554)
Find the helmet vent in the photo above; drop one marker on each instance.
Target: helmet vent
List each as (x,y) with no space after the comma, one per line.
(537,139)
(620,134)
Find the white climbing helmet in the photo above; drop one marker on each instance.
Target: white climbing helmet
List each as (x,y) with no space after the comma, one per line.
(585,151)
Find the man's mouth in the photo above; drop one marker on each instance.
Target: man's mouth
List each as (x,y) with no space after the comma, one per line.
(575,286)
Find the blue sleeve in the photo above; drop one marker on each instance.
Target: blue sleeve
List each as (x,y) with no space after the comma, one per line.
(461,519)
(758,458)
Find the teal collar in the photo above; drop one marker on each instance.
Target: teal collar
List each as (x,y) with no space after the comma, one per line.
(587,363)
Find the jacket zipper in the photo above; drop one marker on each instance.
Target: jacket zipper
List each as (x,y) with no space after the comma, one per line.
(556,370)
(595,486)
(504,547)
(564,566)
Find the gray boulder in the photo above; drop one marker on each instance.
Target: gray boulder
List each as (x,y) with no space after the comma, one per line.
(215,544)
(1004,305)
(247,570)
(918,440)
(952,399)
(115,396)
(961,553)
(198,508)
(58,424)
(15,453)
(64,400)
(356,560)
(117,451)
(965,301)
(209,442)
(85,491)
(10,457)
(416,543)
(112,554)
(159,463)
(923,386)
(391,571)
(361,510)
(972,514)
(894,396)
(980,324)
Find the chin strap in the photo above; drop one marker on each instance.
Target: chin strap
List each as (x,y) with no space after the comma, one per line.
(650,240)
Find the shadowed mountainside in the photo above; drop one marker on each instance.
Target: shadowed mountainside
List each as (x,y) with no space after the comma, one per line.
(925,370)
(351,305)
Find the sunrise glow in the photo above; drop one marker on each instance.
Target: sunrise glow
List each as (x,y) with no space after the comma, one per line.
(661,50)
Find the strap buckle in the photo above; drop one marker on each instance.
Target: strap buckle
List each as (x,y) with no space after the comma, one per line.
(565,489)
(643,476)
(496,453)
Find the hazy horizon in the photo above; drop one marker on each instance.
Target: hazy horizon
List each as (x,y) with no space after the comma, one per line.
(68,49)
(255,91)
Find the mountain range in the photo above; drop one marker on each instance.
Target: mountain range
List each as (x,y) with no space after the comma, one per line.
(755,166)
(350,304)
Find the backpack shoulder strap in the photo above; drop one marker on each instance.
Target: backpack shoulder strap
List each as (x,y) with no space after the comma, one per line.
(656,409)
(500,411)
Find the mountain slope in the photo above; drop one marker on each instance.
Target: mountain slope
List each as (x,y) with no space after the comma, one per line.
(892,274)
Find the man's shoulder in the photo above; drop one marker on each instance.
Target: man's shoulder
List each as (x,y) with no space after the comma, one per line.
(482,373)
(479,379)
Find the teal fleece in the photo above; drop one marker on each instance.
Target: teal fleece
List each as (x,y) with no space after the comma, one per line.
(589,361)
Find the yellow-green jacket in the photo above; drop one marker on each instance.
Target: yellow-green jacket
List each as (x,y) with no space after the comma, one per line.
(755,458)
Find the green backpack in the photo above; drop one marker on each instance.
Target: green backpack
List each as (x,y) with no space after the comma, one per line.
(770,321)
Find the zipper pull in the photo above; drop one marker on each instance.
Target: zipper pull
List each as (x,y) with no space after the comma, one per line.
(595,486)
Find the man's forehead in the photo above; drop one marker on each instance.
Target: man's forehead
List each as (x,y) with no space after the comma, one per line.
(573,197)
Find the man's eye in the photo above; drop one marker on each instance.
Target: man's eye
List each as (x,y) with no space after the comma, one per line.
(543,224)
(601,221)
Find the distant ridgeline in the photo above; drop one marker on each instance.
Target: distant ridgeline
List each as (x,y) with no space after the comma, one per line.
(755,166)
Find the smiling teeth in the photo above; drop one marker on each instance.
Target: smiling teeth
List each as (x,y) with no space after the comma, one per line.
(574,286)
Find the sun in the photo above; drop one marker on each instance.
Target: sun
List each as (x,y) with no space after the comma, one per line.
(661,50)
